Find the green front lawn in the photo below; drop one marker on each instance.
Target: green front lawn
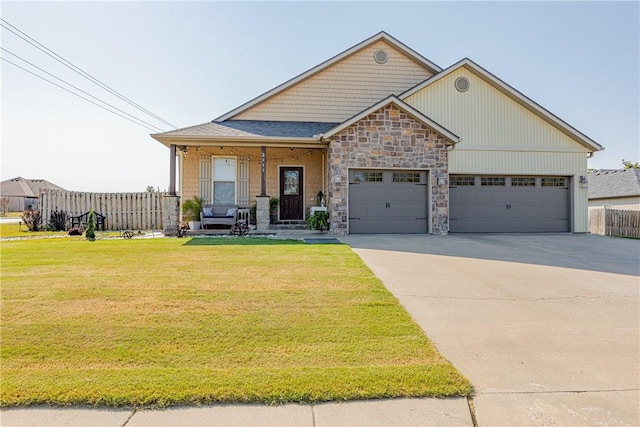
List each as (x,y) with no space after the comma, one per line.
(20,230)
(169,321)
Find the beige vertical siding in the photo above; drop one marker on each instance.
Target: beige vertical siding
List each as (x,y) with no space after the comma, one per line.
(624,203)
(344,89)
(516,162)
(484,117)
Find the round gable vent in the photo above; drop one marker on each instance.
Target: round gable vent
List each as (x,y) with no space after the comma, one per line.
(462,84)
(380,56)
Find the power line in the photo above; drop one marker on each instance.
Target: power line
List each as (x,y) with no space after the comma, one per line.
(77,69)
(79,96)
(78,89)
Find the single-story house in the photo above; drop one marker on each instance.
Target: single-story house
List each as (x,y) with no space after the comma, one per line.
(395,144)
(23,194)
(615,188)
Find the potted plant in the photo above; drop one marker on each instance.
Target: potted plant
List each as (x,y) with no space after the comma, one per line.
(191,212)
(318,221)
(273,210)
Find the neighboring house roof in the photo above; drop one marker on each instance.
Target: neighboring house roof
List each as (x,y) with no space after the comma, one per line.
(453,138)
(608,183)
(433,68)
(16,187)
(21,187)
(513,94)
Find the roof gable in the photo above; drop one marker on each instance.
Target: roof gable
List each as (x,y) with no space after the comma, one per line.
(341,86)
(447,134)
(513,94)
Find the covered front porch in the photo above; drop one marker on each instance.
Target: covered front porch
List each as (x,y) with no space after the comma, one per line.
(276,169)
(279,185)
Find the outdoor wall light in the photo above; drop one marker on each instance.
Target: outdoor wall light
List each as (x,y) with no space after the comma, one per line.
(319,198)
(583,182)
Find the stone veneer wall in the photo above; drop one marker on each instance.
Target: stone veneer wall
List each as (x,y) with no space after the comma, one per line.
(388,139)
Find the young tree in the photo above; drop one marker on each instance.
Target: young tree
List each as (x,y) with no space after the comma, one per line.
(4,203)
(628,164)
(90,232)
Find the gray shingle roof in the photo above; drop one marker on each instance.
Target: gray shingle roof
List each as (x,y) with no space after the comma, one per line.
(285,129)
(21,187)
(614,183)
(239,128)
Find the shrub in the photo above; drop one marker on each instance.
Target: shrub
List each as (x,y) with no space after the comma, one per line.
(318,221)
(58,220)
(32,219)
(90,232)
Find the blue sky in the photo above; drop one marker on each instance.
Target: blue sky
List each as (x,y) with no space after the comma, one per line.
(189,62)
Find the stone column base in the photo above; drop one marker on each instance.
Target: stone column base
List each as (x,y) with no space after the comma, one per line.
(262,213)
(170,214)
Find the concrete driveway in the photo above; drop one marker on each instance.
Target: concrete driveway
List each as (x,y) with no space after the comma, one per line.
(546,327)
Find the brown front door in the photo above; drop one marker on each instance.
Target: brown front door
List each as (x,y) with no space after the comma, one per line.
(291,193)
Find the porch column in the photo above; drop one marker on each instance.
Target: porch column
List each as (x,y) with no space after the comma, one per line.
(263,171)
(172,170)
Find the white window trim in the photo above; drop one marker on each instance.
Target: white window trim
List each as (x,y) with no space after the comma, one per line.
(235,179)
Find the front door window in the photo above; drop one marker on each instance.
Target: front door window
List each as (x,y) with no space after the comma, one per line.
(291,183)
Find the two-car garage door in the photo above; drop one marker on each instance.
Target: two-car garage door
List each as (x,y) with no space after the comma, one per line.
(493,204)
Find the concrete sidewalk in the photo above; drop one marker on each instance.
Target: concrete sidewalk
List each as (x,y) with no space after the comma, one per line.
(393,412)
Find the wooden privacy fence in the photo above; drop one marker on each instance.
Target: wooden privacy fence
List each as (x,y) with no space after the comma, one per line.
(614,222)
(133,211)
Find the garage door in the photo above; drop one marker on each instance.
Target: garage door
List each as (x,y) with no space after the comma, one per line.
(495,204)
(387,201)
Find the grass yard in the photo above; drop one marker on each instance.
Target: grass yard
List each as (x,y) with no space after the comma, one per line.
(20,230)
(10,230)
(155,322)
